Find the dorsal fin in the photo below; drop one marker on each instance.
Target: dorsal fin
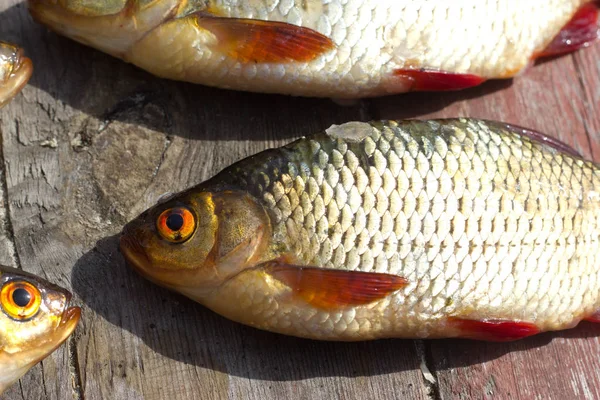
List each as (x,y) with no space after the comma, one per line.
(539,137)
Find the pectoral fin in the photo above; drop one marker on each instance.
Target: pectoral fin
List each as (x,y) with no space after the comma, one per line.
(331,288)
(250,40)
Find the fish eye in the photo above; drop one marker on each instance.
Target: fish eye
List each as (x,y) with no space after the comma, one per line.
(176,224)
(20,299)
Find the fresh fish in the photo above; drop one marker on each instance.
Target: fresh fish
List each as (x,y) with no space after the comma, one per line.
(333,48)
(35,319)
(414,229)
(15,70)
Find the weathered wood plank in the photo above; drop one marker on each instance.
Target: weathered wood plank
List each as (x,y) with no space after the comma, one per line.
(123,138)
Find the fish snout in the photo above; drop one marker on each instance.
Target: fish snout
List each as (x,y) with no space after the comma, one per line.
(70,316)
(132,249)
(15,71)
(12,61)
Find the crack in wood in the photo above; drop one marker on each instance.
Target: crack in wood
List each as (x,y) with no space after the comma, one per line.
(74,369)
(166,146)
(43,380)
(7,223)
(430,379)
(582,86)
(21,389)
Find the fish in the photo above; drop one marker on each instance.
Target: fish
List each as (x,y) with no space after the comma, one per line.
(455,228)
(35,319)
(15,71)
(338,49)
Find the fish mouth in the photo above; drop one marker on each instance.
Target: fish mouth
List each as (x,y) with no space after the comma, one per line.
(135,256)
(17,79)
(68,322)
(70,319)
(138,260)
(132,251)
(15,365)
(40,350)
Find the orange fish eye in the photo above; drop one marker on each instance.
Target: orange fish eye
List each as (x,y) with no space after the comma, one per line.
(20,299)
(176,224)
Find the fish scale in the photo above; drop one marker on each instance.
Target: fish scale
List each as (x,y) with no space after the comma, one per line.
(486,185)
(483,223)
(334,48)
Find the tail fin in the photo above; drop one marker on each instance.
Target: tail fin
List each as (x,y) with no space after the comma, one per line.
(579,32)
(595,317)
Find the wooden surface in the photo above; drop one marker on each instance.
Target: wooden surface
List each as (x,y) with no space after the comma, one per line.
(93,141)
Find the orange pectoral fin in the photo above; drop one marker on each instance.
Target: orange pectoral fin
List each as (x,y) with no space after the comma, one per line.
(493,330)
(250,40)
(581,30)
(331,288)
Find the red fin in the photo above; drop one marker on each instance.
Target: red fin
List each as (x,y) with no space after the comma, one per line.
(578,33)
(249,40)
(430,80)
(494,330)
(539,137)
(595,317)
(331,288)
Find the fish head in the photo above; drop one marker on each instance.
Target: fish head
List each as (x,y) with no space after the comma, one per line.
(35,318)
(113,26)
(196,241)
(15,70)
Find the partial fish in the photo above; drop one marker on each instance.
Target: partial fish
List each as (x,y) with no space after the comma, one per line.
(15,71)
(414,229)
(35,318)
(340,49)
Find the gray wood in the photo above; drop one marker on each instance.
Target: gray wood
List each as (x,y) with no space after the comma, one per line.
(122,139)
(93,141)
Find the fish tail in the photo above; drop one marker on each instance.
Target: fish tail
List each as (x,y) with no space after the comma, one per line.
(578,33)
(595,317)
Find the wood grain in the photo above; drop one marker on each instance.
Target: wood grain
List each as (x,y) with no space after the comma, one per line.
(93,141)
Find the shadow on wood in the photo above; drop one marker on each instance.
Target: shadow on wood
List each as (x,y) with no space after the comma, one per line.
(178,328)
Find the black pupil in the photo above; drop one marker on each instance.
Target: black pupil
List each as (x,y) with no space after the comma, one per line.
(21,297)
(174,222)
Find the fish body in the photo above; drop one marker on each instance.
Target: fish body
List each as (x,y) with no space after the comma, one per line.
(15,71)
(414,229)
(341,49)
(35,318)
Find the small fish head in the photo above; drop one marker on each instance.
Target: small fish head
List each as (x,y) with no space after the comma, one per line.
(15,70)
(113,26)
(195,241)
(35,318)
(90,8)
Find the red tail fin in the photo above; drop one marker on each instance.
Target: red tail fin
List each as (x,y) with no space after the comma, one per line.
(578,33)
(595,317)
